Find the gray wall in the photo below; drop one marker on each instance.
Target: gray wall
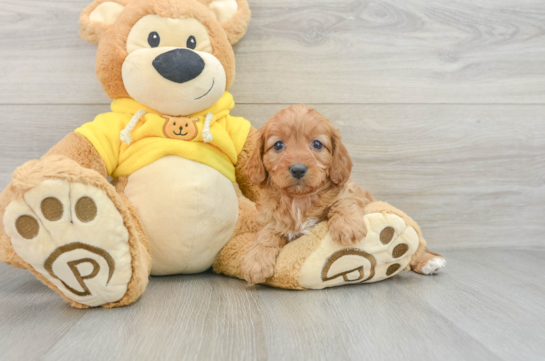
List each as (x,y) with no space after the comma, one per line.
(441,104)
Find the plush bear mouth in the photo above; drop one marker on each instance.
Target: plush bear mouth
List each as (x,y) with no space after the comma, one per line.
(202,96)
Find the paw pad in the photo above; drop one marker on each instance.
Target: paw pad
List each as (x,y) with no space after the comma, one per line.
(383,253)
(75,237)
(400,250)
(27,226)
(52,209)
(86,209)
(392,269)
(386,235)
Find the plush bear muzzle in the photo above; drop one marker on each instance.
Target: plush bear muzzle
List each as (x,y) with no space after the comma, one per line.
(179,65)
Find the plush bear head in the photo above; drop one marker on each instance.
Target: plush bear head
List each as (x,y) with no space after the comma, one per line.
(174,56)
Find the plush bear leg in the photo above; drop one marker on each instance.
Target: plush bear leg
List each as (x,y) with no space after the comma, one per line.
(314,261)
(69,227)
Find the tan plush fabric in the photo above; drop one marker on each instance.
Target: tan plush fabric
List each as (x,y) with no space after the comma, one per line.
(112,49)
(237,25)
(188,210)
(76,147)
(33,173)
(231,256)
(294,255)
(385,251)
(92,31)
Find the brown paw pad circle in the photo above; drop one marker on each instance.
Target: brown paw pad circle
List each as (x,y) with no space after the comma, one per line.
(27,226)
(392,269)
(386,235)
(52,209)
(86,209)
(400,250)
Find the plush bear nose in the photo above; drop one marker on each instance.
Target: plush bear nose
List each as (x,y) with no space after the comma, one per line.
(298,171)
(179,65)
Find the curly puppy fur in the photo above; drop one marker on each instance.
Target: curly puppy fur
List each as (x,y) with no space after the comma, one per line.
(290,206)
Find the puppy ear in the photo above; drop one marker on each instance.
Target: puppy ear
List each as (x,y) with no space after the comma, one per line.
(341,166)
(255,168)
(98,17)
(233,15)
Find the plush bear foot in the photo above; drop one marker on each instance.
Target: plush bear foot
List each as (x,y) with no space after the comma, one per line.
(383,253)
(73,235)
(393,243)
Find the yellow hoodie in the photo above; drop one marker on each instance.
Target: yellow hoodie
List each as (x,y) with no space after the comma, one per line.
(149,142)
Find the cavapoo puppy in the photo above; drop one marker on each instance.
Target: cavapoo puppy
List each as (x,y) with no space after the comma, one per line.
(303,170)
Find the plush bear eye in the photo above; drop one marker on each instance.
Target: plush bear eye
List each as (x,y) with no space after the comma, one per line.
(278,145)
(191,42)
(154,39)
(317,144)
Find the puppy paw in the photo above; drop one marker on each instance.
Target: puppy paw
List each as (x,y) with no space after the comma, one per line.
(345,231)
(259,264)
(434,265)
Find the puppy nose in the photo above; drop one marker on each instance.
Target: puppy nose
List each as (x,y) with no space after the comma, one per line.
(179,65)
(298,171)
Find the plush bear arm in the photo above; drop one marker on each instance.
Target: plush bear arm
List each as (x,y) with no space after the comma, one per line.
(250,190)
(76,147)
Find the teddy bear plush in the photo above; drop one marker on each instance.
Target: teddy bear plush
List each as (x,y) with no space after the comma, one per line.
(180,201)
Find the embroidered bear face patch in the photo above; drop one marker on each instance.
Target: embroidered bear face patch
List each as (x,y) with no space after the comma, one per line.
(180,128)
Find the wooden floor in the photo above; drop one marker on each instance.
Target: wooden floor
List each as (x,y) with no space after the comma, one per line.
(441,105)
(487,305)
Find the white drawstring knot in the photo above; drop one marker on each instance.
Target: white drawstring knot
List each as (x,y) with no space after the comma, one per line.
(206,135)
(125,135)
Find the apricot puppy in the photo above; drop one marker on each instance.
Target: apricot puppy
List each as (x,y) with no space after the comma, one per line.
(303,170)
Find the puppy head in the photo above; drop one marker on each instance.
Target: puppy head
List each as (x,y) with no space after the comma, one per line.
(300,152)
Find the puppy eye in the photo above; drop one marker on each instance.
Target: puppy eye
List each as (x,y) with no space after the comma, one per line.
(317,145)
(191,42)
(154,39)
(278,146)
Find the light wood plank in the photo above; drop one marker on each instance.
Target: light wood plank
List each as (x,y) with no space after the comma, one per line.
(321,51)
(478,308)
(32,318)
(209,317)
(489,304)
(470,175)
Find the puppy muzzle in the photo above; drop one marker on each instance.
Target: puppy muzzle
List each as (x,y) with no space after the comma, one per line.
(298,171)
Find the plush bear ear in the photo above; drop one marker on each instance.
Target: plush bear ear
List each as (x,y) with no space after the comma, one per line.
(233,15)
(97,18)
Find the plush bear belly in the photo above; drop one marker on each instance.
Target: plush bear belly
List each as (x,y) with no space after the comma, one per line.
(188,210)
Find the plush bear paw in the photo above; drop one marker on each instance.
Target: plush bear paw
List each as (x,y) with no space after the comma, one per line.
(384,252)
(74,236)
